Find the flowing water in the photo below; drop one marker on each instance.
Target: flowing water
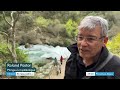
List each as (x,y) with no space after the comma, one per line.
(41,52)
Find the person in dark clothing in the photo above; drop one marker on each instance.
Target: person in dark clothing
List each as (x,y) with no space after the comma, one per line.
(61,60)
(90,53)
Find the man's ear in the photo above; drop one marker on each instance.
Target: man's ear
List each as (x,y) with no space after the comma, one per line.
(105,41)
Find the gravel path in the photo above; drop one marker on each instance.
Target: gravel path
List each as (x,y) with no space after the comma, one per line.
(54,73)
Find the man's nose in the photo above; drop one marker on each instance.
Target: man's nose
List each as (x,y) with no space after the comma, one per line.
(84,42)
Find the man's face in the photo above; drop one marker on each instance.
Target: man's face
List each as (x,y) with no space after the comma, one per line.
(89,44)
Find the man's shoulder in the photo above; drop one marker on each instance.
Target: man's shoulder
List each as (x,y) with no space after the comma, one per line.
(115,59)
(71,59)
(114,66)
(114,63)
(73,48)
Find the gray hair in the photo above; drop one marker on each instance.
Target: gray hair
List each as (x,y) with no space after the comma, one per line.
(91,22)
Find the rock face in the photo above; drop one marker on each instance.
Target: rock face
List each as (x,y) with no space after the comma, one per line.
(49,71)
(27,45)
(44,71)
(43,38)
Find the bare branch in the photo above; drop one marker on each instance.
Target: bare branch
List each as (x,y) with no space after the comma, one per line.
(14,19)
(9,49)
(6,19)
(3,33)
(17,16)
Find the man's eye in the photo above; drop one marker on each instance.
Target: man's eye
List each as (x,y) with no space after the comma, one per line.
(90,39)
(81,38)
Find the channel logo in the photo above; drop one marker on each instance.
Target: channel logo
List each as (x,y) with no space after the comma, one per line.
(99,73)
(10,73)
(19,73)
(104,74)
(90,73)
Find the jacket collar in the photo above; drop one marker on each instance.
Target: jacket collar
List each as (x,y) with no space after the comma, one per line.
(73,48)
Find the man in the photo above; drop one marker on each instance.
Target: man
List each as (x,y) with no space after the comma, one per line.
(90,54)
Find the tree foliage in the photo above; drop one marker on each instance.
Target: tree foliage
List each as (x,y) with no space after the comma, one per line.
(71,28)
(42,22)
(48,25)
(5,55)
(114,45)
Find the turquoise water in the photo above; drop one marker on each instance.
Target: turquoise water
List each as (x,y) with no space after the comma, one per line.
(41,52)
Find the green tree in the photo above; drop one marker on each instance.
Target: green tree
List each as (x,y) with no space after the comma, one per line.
(42,22)
(114,45)
(71,28)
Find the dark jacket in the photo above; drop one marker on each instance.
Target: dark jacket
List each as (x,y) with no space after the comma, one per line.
(73,70)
